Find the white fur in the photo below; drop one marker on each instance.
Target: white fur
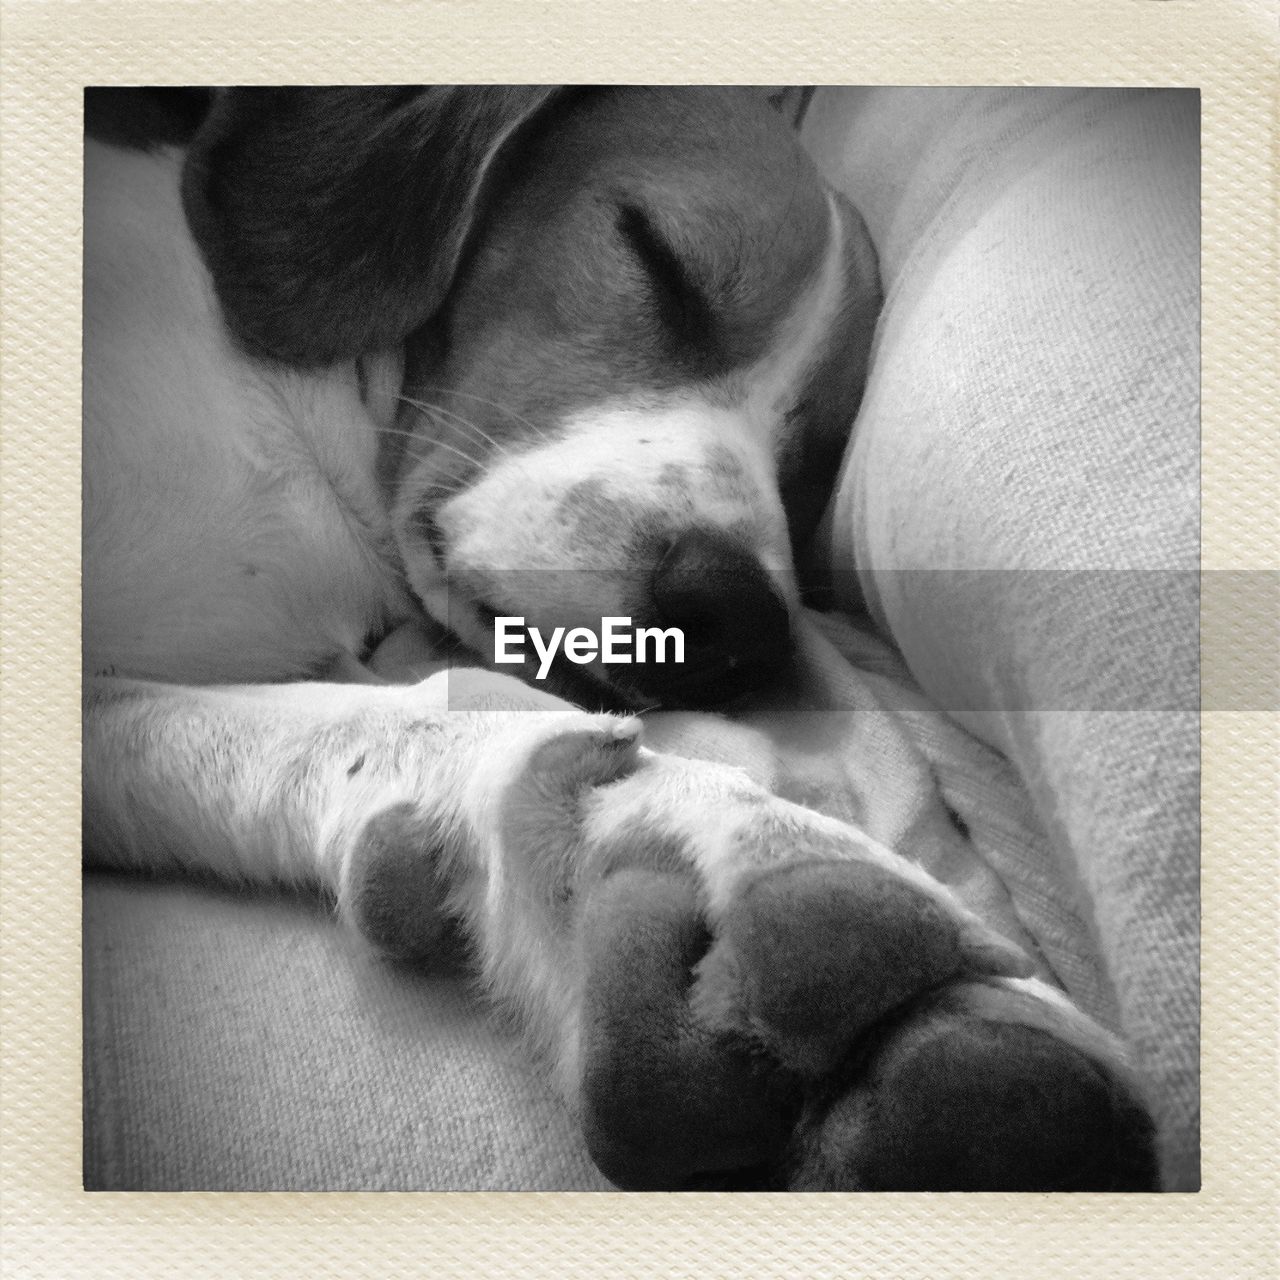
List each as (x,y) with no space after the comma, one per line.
(232,525)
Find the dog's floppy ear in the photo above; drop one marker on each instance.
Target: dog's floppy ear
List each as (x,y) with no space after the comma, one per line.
(333,219)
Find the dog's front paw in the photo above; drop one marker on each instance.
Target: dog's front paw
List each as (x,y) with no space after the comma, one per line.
(820,1029)
(420,873)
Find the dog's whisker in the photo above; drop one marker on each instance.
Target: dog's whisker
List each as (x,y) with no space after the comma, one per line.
(458,419)
(408,456)
(448,418)
(399,431)
(466,457)
(425,456)
(493,404)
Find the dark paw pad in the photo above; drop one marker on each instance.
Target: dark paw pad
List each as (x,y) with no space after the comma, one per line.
(394,892)
(953,1103)
(666,1102)
(812,955)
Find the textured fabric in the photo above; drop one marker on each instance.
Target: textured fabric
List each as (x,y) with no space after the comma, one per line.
(237,1042)
(1021,494)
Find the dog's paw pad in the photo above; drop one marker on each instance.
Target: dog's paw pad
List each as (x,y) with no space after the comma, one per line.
(811,955)
(956,1103)
(666,1103)
(394,893)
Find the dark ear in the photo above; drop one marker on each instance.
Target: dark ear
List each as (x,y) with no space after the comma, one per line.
(141,118)
(333,219)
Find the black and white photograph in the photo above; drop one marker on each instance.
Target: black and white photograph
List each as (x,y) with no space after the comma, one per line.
(641,637)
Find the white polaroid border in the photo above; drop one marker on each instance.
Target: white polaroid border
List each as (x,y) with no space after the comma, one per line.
(50,50)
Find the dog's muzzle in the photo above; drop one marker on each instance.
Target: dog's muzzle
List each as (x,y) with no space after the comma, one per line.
(736,627)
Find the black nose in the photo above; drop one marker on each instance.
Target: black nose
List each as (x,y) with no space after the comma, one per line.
(737,632)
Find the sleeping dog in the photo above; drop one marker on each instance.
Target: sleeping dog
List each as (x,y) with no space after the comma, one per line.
(368,364)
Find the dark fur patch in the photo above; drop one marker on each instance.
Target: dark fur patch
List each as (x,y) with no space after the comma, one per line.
(333,219)
(688,322)
(556,309)
(144,118)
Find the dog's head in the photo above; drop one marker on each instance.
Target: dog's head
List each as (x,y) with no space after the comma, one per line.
(635,327)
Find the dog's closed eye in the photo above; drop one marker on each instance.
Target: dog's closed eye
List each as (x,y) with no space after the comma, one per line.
(680,303)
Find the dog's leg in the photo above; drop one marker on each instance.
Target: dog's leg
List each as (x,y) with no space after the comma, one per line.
(382,795)
(707,968)
(725,929)
(411,814)
(259,784)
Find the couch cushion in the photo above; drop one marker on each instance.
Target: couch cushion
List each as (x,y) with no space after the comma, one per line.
(1020,500)
(245,1042)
